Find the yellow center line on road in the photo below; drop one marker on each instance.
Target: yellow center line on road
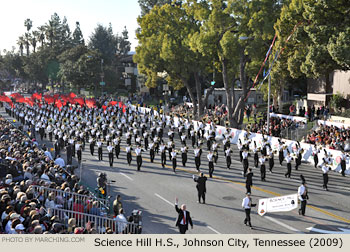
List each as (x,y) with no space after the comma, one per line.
(260,189)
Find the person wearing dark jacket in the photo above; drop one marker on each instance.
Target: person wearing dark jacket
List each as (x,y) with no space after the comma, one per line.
(201,187)
(249,180)
(184,217)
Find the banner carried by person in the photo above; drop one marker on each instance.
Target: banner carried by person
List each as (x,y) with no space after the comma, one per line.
(284,203)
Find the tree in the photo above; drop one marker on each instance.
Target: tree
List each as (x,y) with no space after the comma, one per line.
(79,67)
(223,24)
(164,46)
(102,40)
(78,38)
(28,24)
(34,39)
(147,5)
(21,42)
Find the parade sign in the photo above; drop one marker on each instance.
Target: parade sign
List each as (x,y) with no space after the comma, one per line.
(278,204)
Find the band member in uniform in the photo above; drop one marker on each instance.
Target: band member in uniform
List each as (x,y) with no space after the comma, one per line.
(110,154)
(298,154)
(197,157)
(288,159)
(162,149)
(78,148)
(184,150)
(280,151)
(271,159)
(240,147)
(228,157)
(116,142)
(325,170)
(343,157)
(69,154)
(215,151)
(138,151)
(315,154)
(210,157)
(151,151)
(99,146)
(249,180)
(256,155)
(262,161)
(173,158)
(201,186)
(303,197)
(128,154)
(92,146)
(245,161)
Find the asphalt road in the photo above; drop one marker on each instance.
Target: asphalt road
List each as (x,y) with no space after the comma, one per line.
(153,190)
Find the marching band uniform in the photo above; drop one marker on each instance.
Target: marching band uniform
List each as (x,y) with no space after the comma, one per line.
(128,154)
(197,157)
(325,170)
(138,151)
(78,148)
(281,153)
(99,146)
(210,157)
(288,159)
(271,159)
(162,149)
(184,155)
(240,147)
(151,151)
(173,158)
(262,168)
(343,163)
(228,157)
(110,154)
(315,154)
(245,161)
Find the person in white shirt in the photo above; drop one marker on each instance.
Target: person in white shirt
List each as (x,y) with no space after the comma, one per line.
(240,147)
(343,157)
(262,161)
(228,157)
(162,149)
(288,159)
(110,154)
(78,148)
(138,151)
(315,152)
(116,142)
(303,197)
(247,205)
(325,170)
(99,146)
(210,157)
(197,157)
(121,222)
(173,159)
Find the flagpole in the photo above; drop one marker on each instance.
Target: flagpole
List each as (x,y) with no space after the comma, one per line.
(268,105)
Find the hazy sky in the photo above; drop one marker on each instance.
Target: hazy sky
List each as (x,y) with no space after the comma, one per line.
(89,13)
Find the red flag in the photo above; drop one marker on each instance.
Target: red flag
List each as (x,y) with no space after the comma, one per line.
(49,99)
(120,104)
(72,95)
(20,99)
(37,96)
(104,107)
(113,103)
(16,95)
(55,96)
(124,108)
(90,103)
(29,101)
(58,104)
(80,101)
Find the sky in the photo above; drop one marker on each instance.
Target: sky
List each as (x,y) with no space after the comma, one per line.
(89,13)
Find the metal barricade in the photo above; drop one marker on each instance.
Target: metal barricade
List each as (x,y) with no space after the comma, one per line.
(70,200)
(101,224)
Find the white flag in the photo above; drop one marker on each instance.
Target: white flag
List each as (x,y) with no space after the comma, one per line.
(278,204)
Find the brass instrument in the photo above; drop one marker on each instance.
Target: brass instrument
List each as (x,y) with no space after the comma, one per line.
(114,118)
(80,119)
(227,123)
(51,121)
(65,121)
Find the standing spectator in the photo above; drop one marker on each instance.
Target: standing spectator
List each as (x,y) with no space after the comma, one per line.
(117,205)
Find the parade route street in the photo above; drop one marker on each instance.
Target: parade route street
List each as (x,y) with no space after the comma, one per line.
(153,190)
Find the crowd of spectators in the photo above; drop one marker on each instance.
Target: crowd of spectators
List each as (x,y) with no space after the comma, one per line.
(331,137)
(22,209)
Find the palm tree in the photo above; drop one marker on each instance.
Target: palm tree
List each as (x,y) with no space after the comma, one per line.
(35,37)
(21,42)
(27,41)
(41,34)
(28,24)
